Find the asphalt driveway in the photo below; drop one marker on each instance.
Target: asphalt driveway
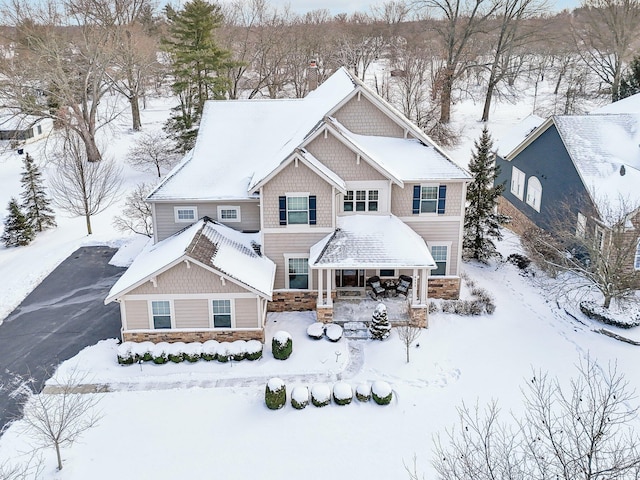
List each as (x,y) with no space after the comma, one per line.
(64,314)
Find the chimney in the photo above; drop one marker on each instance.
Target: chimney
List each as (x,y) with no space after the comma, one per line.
(312,76)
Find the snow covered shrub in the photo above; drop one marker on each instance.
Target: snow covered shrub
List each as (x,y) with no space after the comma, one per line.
(598,312)
(381,393)
(519,261)
(448,306)
(142,351)
(159,353)
(363,392)
(433,307)
(275,394)
(316,330)
(192,351)
(254,349)
(223,353)
(380,328)
(176,352)
(210,350)
(475,307)
(299,397)
(125,355)
(281,345)
(320,395)
(342,393)
(461,307)
(238,350)
(490,308)
(334,332)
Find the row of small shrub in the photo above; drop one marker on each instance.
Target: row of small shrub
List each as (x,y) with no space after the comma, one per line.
(481,303)
(320,395)
(598,312)
(163,352)
(318,330)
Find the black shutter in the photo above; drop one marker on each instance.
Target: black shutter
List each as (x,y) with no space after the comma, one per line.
(283,210)
(442,199)
(312,209)
(416,199)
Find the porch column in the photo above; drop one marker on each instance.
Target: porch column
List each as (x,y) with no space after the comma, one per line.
(329,286)
(320,300)
(424,280)
(414,287)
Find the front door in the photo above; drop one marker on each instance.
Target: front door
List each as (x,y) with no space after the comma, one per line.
(350,278)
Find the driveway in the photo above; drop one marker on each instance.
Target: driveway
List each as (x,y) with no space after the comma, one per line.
(64,314)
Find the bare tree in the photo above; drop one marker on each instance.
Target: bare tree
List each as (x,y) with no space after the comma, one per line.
(408,332)
(81,187)
(152,152)
(57,419)
(136,214)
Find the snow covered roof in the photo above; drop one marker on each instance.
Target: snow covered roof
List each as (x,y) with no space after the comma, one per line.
(626,105)
(241,141)
(212,244)
(517,134)
(11,121)
(371,241)
(405,159)
(606,152)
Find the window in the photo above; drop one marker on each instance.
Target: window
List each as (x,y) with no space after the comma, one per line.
(387,273)
(39,129)
(636,263)
(599,239)
(361,201)
(517,182)
(185,214)
(161,313)
(221,313)
(581,227)
(298,273)
(439,254)
(429,199)
(227,214)
(297,209)
(534,193)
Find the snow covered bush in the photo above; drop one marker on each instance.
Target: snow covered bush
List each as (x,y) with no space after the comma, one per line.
(380,328)
(334,332)
(210,350)
(275,394)
(363,392)
(433,307)
(142,351)
(254,349)
(238,350)
(627,319)
(125,355)
(223,353)
(281,345)
(159,353)
(175,351)
(320,395)
(448,306)
(299,397)
(519,261)
(316,330)
(192,352)
(342,393)
(381,392)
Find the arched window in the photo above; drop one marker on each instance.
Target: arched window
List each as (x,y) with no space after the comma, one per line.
(534,193)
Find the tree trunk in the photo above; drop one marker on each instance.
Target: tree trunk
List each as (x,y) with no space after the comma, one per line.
(445,97)
(57,445)
(135,112)
(607,301)
(89,140)
(89,232)
(487,100)
(408,347)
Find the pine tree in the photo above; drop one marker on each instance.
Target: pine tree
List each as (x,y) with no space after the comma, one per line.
(481,221)
(380,328)
(17,230)
(35,202)
(196,59)
(630,83)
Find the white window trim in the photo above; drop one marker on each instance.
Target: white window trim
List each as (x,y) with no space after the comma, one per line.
(600,230)
(233,313)
(532,200)
(437,186)
(395,272)
(297,194)
(384,200)
(172,312)
(287,257)
(238,218)
(447,261)
(185,207)
(518,178)
(581,226)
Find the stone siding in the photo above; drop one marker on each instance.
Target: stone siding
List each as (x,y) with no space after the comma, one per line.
(420,316)
(446,288)
(199,336)
(293,301)
(520,223)
(325,314)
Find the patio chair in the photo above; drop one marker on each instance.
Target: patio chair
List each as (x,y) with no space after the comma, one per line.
(404,284)
(376,286)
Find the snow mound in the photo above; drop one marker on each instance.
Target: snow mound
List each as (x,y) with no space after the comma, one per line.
(316,330)
(334,332)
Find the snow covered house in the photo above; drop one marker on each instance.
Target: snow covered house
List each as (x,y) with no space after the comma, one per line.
(23,129)
(585,165)
(321,194)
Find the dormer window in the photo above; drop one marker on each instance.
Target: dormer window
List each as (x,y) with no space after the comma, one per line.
(361,201)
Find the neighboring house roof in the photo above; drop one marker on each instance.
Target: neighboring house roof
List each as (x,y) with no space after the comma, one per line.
(13,121)
(368,241)
(626,105)
(517,134)
(210,244)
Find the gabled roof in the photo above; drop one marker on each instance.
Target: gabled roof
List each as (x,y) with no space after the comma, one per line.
(518,134)
(212,245)
(371,241)
(626,105)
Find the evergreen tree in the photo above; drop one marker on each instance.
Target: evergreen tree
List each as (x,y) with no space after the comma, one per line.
(481,220)
(35,202)
(17,230)
(380,328)
(630,83)
(196,61)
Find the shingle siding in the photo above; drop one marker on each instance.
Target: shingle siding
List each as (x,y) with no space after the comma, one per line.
(439,233)
(402,199)
(278,244)
(361,116)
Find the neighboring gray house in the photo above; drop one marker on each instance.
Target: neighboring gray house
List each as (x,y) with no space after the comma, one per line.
(328,191)
(23,129)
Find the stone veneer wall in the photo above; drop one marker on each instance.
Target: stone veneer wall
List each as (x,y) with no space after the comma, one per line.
(519,221)
(200,336)
(293,301)
(420,316)
(446,288)
(325,314)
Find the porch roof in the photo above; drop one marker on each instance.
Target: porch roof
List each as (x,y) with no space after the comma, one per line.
(371,241)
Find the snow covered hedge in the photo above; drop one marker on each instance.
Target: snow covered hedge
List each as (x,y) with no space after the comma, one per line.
(381,393)
(160,353)
(275,394)
(299,397)
(281,345)
(627,319)
(320,395)
(342,393)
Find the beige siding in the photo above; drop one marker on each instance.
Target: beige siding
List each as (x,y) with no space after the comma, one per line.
(191,313)
(137,312)
(182,280)
(402,199)
(441,232)
(363,117)
(167,226)
(276,245)
(297,179)
(341,160)
(246,312)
